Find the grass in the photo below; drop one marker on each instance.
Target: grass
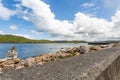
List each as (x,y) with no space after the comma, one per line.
(18,39)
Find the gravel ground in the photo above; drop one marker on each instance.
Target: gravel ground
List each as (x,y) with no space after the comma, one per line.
(74,68)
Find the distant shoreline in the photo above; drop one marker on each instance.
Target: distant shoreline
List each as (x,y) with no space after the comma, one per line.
(35,42)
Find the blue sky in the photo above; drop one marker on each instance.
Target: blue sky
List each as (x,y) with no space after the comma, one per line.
(61,19)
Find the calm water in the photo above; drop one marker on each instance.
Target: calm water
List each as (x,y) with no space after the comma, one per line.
(29,50)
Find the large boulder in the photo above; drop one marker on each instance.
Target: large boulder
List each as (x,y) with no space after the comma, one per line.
(29,62)
(84,49)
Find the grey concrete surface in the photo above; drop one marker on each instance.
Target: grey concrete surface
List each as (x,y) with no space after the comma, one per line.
(83,67)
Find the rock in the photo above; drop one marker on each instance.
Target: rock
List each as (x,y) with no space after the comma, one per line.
(19,66)
(94,48)
(29,62)
(68,50)
(84,49)
(10,64)
(77,53)
(111,45)
(39,60)
(0,70)
(17,60)
(75,49)
(7,68)
(7,62)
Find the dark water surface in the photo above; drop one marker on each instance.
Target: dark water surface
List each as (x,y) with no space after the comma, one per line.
(30,50)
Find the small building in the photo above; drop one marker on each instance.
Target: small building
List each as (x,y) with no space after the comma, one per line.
(12,54)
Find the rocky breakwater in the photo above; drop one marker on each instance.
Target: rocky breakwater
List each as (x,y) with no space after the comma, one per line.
(11,64)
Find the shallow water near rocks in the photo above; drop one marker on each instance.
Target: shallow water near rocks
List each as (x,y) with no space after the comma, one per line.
(30,50)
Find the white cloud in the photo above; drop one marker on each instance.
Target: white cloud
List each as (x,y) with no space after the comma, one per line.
(5,13)
(90,8)
(13,27)
(82,27)
(88,4)
(44,19)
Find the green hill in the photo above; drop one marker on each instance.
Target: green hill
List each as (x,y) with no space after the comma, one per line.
(19,39)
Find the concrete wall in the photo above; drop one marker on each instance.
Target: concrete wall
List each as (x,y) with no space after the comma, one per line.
(112,72)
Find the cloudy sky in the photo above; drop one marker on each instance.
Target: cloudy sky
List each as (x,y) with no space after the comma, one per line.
(61,19)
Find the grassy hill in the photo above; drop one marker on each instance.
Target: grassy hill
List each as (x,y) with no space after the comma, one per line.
(19,39)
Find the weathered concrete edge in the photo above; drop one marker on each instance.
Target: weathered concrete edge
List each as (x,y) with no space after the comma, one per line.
(93,72)
(112,72)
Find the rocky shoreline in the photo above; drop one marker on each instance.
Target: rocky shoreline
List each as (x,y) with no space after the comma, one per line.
(17,63)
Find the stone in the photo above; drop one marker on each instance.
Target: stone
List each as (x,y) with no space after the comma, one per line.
(68,50)
(7,68)
(29,62)
(17,60)
(84,49)
(0,70)
(75,49)
(19,66)
(94,48)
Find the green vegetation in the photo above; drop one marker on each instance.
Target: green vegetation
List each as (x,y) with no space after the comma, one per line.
(19,39)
